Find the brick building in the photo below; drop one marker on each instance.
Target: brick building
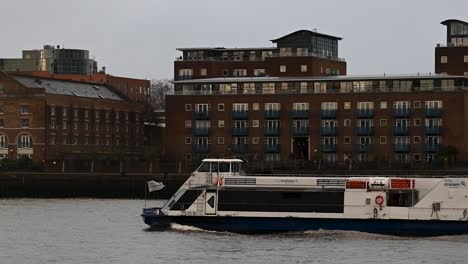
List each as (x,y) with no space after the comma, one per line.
(301,53)
(67,124)
(452,58)
(334,119)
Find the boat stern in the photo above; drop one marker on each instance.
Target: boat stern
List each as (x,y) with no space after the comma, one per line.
(155,218)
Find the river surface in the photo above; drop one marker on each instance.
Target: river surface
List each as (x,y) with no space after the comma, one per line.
(111,231)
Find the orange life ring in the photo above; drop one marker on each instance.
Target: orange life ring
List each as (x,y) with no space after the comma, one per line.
(379,200)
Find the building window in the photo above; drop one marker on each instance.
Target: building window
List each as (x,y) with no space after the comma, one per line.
(52,140)
(24,122)
(383,140)
(282,68)
(75,125)
(383,122)
(188,140)
(64,112)
(255,123)
(347,105)
(255,106)
(465,58)
(347,122)
(75,140)
(1,123)
(417,139)
(465,73)
(417,122)
(255,140)
(220,140)
(443,59)
(220,123)
(52,110)
(303,68)
(417,156)
(259,72)
(188,107)
(25,141)
(188,123)
(417,104)
(203,72)
(347,140)
(383,105)
(220,107)
(24,109)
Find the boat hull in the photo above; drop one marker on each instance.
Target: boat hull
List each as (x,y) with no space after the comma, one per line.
(255,225)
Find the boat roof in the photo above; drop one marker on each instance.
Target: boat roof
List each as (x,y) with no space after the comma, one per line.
(222,160)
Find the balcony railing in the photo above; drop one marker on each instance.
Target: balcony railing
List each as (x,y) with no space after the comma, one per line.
(201,131)
(201,114)
(401,130)
(201,148)
(364,130)
(271,114)
(300,114)
(401,112)
(327,148)
(430,147)
(239,148)
(364,147)
(271,131)
(271,148)
(239,115)
(300,131)
(364,113)
(328,131)
(433,130)
(240,131)
(433,112)
(183,77)
(401,147)
(328,113)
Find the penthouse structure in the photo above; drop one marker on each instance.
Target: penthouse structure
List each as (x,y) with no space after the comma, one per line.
(67,124)
(334,119)
(452,58)
(301,53)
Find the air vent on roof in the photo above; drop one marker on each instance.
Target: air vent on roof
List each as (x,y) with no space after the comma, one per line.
(37,81)
(75,94)
(96,87)
(100,96)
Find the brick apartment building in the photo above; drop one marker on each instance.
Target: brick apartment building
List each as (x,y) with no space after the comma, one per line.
(301,53)
(452,58)
(335,119)
(67,124)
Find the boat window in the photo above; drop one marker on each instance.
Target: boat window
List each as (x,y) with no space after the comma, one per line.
(224,167)
(235,167)
(214,167)
(205,167)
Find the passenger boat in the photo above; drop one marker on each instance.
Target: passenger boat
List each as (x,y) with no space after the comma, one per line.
(219,196)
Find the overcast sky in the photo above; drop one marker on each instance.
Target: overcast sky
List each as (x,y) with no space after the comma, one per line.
(138,38)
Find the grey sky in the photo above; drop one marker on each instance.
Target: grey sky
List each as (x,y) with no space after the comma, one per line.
(138,38)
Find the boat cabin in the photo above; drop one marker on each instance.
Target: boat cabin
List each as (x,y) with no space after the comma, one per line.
(221,167)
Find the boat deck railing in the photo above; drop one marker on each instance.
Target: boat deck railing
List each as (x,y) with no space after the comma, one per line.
(354,175)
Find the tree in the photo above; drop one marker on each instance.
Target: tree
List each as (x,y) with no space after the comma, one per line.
(158,91)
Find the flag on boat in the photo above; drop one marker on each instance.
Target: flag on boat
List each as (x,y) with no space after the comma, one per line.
(155,186)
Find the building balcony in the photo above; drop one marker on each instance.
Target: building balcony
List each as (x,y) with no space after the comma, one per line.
(433,112)
(271,148)
(201,148)
(401,130)
(328,148)
(201,115)
(364,113)
(328,114)
(271,131)
(300,114)
(433,130)
(401,147)
(239,115)
(183,77)
(271,114)
(238,148)
(364,147)
(328,131)
(431,147)
(364,130)
(240,131)
(401,112)
(300,131)
(201,131)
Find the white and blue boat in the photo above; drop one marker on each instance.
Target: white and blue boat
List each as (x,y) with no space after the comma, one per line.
(218,196)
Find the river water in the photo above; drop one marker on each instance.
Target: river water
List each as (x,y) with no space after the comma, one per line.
(111,231)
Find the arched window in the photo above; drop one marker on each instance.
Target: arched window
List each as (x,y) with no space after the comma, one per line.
(24,141)
(3,141)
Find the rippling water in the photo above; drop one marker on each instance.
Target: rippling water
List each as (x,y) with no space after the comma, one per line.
(111,231)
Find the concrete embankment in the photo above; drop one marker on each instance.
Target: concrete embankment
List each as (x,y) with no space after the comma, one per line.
(93,185)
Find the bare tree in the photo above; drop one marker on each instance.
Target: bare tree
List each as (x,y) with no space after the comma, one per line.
(158,91)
